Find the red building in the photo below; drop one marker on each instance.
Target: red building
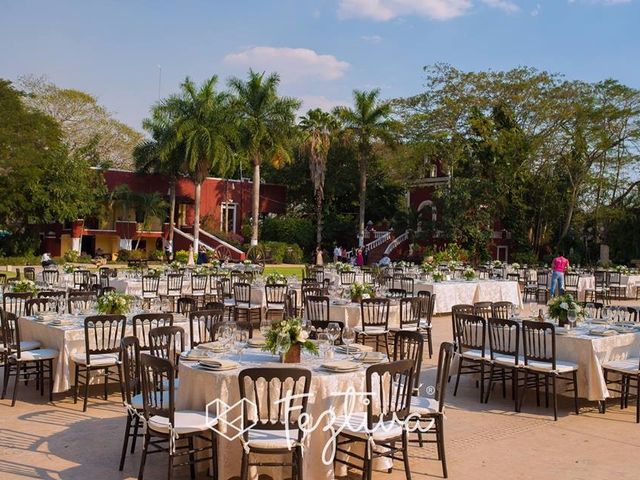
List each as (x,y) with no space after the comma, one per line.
(224,205)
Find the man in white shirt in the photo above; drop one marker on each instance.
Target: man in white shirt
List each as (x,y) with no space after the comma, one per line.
(337,252)
(46,261)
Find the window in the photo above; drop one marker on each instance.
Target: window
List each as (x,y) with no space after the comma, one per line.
(228,217)
(433,173)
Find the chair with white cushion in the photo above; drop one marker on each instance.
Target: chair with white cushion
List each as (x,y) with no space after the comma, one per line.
(504,348)
(167,343)
(244,309)
(374,315)
(22,364)
(172,431)
(270,429)
(199,287)
(427,307)
(628,371)
(275,295)
(540,361)
(15,302)
(102,337)
(381,427)
(430,411)
(202,325)
(470,334)
(143,323)
(132,387)
(409,344)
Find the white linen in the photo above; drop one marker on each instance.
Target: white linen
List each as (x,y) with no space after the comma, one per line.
(450,293)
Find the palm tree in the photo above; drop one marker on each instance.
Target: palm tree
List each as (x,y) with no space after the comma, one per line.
(369,121)
(148,206)
(318,128)
(200,122)
(266,127)
(154,156)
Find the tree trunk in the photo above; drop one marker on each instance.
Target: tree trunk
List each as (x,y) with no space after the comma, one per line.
(363,195)
(255,210)
(196,222)
(172,209)
(568,216)
(318,219)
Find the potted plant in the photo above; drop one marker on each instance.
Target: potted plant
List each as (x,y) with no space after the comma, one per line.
(358,291)
(114,303)
(288,339)
(469,274)
(23,286)
(275,279)
(437,276)
(561,305)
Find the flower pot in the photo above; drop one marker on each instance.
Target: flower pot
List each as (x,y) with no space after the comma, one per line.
(292,355)
(562,319)
(356,299)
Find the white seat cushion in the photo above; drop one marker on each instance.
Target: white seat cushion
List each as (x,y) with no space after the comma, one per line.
(475,355)
(561,366)
(424,405)
(371,330)
(424,324)
(186,421)
(629,365)
(229,302)
(356,425)
(25,345)
(507,360)
(273,439)
(276,306)
(36,355)
(97,360)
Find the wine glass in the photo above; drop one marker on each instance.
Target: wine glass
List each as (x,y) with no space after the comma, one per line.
(333,330)
(240,342)
(323,344)
(572,316)
(348,337)
(606,315)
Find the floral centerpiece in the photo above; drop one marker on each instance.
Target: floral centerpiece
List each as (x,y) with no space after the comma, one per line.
(247,262)
(437,276)
(515,266)
(469,273)
(343,267)
(288,339)
(24,286)
(201,270)
(155,272)
(401,264)
(114,303)
(357,291)
(428,267)
(275,279)
(559,306)
(496,264)
(176,265)
(215,263)
(622,269)
(68,268)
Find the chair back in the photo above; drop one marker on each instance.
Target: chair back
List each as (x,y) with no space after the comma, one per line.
(571,280)
(158,387)
(199,283)
(30,273)
(406,284)
(201,325)
(501,310)
(442,376)
(389,388)
(367,276)
(37,305)
(174,284)
(614,279)
(482,309)
(600,279)
(504,338)
(409,345)
(455,311)
(316,308)
(103,334)
(410,312)
(347,278)
(539,342)
(167,343)
(374,312)
(10,334)
(593,309)
(542,279)
(277,398)
(185,305)
(145,322)
(80,278)
(275,294)
(81,301)
(50,277)
(290,305)
(131,382)
(471,332)
(15,302)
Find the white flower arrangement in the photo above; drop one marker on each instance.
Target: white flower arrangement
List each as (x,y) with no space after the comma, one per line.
(496,264)
(437,276)
(113,303)
(275,279)
(622,269)
(515,266)
(23,286)
(68,268)
(286,334)
(469,273)
(343,267)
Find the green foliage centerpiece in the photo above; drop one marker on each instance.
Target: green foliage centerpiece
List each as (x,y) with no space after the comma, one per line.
(437,276)
(114,303)
(287,338)
(23,286)
(469,274)
(275,279)
(561,305)
(357,291)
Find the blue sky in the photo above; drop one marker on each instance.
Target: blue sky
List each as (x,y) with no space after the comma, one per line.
(323,49)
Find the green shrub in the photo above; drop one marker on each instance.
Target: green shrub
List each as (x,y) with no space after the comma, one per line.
(20,261)
(84,259)
(123,255)
(156,255)
(281,252)
(293,254)
(294,230)
(181,256)
(70,256)
(524,258)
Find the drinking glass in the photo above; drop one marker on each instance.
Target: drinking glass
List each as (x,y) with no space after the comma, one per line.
(572,316)
(324,345)
(333,330)
(348,337)
(240,342)
(606,315)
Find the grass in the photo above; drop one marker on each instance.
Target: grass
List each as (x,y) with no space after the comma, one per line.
(286,270)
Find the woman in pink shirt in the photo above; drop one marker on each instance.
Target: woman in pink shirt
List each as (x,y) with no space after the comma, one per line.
(559,266)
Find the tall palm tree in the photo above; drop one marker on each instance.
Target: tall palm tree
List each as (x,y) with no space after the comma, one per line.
(318,128)
(368,122)
(266,123)
(200,122)
(154,156)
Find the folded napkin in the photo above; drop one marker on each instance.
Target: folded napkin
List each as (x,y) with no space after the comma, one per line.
(256,342)
(195,354)
(602,332)
(219,364)
(213,346)
(340,365)
(371,357)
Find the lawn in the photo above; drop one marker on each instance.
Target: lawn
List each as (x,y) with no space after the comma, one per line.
(286,270)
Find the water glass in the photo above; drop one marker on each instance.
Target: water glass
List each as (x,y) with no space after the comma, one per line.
(348,337)
(333,331)
(324,345)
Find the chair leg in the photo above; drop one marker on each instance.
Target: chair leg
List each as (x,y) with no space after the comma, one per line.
(106,383)
(455,390)
(555,398)
(136,427)
(5,380)
(86,388)
(405,455)
(441,447)
(486,398)
(51,380)
(524,389)
(515,378)
(575,392)
(75,384)
(143,458)
(366,473)
(244,469)
(481,381)
(125,442)
(170,466)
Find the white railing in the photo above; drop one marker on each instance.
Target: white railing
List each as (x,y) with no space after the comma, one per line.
(191,239)
(220,241)
(381,237)
(398,240)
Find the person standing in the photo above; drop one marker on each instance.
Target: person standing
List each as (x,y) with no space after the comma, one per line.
(168,250)
(337,252)
(319,260)
(559,266)
(359,258)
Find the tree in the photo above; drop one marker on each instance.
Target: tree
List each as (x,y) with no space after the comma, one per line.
(318,128)
(40,182)
(159,155)
(201,123)
(368,122)
(89,129)
(148,206)
(266,122)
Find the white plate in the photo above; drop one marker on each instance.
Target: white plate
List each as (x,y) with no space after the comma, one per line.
(195,355)
(218,365)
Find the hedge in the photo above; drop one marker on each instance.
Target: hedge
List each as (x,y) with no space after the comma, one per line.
(281,252)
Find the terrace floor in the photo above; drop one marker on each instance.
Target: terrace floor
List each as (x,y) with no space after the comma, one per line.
(39,440)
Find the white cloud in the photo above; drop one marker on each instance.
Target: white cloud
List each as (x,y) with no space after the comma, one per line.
(293,64)
(505,5)
(536,11)
(371,38)
(601,2)
(384,10)
(320,101)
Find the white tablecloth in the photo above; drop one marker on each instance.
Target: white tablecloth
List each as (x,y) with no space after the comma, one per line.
(349,314)
(199,387)
(69,339)
(452,293)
